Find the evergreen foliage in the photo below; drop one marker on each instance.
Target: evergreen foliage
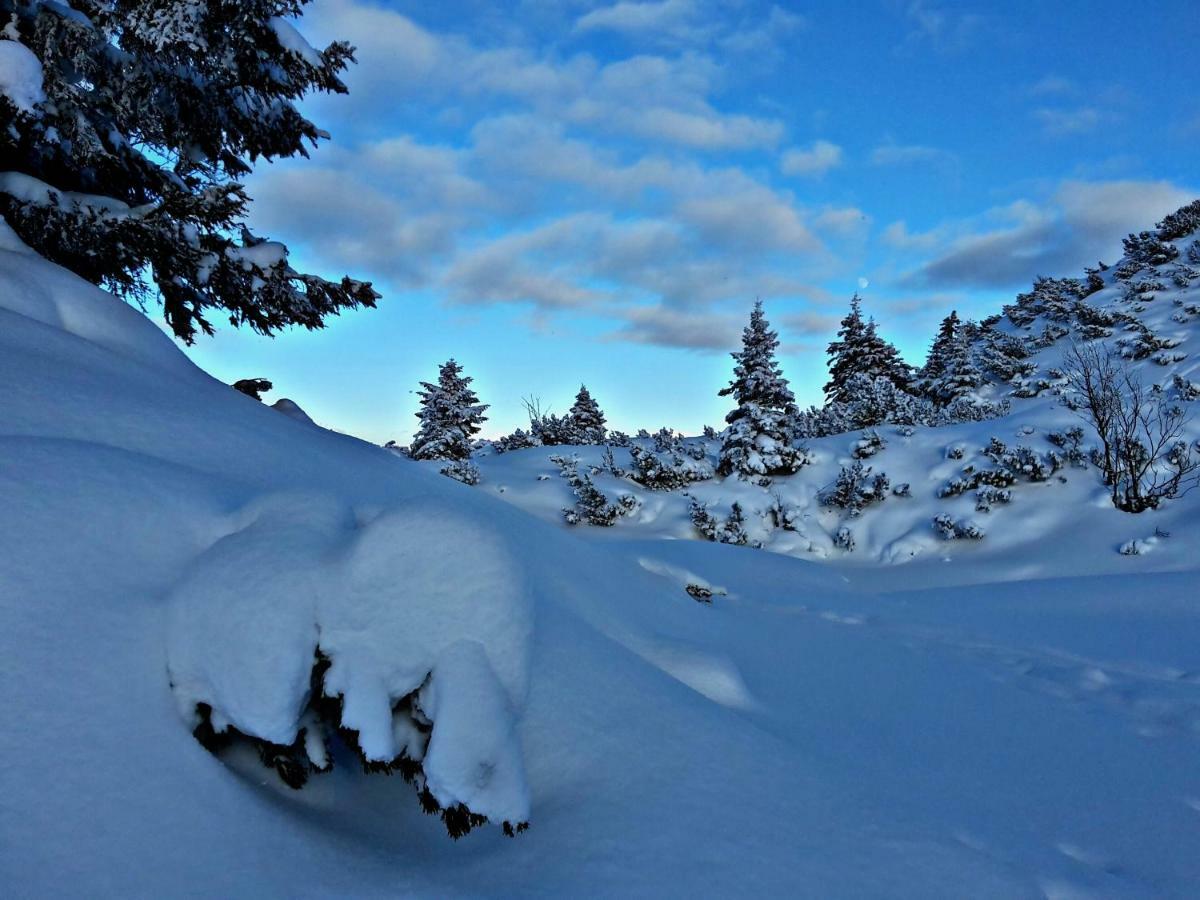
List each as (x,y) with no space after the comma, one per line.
(253,387)
(586,419)
(129,172)
(758,440)
(860,350)
(951,371)
(450,416)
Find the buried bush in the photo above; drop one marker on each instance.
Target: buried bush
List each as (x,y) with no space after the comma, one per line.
(321,725)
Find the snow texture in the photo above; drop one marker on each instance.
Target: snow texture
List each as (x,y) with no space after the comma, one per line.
(1011,717)
(21,76)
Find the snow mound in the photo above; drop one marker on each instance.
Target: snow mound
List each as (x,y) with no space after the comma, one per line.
(21,76)
(292,410)
(392,610)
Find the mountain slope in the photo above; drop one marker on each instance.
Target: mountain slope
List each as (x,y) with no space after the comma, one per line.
(808,733)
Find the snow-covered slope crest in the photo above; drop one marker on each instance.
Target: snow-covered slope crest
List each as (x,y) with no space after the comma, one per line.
(800,735)
(972,492)
(401,618)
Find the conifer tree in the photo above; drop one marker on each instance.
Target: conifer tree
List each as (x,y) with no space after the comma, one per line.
(940,349)
(586,419)
(860,350)
(450,416)
(960,374)
(758,440)
(127,168)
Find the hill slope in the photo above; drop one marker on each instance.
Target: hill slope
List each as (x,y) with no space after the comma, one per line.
(812,732)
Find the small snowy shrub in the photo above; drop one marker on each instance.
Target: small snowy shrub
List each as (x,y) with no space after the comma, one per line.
(733,530)
(987,496)
(1071,442)
(518,440)
(704,521)
(868,445)
(591,505)
(1181,223)
(669,466)
(844,539)
(902,490)
(462,470)
(951,530)
(855,490)
(699,593)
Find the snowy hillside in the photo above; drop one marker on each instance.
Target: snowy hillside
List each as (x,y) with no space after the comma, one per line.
(1023,485)
(175,554)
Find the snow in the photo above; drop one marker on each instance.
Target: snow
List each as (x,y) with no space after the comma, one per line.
(292,409)
(293,41)
(1020,721)
(21,76)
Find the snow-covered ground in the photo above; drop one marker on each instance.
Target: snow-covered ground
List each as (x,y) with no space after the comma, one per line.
(1022,720)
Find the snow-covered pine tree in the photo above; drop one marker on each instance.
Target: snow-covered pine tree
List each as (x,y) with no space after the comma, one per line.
(860,350)
(587,419)
(939,350)
(950,371)
(450,416)
(122,157)
(759,438)
(960,374)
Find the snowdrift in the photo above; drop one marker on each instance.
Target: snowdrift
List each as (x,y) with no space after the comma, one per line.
(170,546)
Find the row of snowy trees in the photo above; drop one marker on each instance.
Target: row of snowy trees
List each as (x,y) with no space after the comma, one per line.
(869,383)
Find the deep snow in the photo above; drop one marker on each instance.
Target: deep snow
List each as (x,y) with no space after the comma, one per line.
(820,729)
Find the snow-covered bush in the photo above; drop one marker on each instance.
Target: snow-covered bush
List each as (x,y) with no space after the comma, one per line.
(843,539)
(704,521)
(868,445)
(733,529)
(729,531)
(855,489)
(591,505)
(267,647)
(1054,298)
(518,440)
(1071,442)
(952,530)
(987,496)
(1181,223)
(666,469)
(462,470)
(1144,249)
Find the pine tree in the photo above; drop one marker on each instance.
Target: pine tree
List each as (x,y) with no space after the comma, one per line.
(844,353)
(587,419)
(861,351)
(960,373)
(758,441)
(128,172)
(450,416)
(939,350)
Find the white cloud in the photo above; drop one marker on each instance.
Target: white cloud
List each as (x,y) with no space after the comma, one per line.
(891,154)
(1081,223)
(943,28)
(812,161)
(1077,120)
(1052,85)
(666,18)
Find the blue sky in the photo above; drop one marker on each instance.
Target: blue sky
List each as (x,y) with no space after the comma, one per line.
(566,191)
